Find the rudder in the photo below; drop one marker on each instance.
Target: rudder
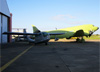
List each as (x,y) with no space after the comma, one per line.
(35,29)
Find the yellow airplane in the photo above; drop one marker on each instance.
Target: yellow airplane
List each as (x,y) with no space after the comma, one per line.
(76,31)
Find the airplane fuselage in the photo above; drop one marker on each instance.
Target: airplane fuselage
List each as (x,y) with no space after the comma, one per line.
(69,32)
(43,37)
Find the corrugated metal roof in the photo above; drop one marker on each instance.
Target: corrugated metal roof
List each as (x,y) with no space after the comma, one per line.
(4,8)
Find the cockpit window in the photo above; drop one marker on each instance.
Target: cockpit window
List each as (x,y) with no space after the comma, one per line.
(38,35)
(42,33)
(45,34)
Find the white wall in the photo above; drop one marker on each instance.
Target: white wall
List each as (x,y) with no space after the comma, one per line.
(0,5)
(4,8)
(4,28)
(0,28)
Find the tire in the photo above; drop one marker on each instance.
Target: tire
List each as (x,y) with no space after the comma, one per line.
(46,43)
(82,40)
(77,40)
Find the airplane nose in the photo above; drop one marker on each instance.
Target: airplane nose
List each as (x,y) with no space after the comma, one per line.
(98,27)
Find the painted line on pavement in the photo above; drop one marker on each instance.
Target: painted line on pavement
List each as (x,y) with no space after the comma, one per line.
(14,59)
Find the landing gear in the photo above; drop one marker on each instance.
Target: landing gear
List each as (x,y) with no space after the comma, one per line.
(35,43)
(80,40)
(46,43)
(77,40)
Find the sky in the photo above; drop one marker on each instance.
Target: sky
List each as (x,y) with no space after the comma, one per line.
(52,14)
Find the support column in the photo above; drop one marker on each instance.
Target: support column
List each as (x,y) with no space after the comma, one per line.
(10,27)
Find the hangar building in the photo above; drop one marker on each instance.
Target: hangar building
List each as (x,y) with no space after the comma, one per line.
(5,21)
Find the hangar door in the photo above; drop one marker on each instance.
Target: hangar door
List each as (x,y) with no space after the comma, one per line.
(4,28)
(0,28)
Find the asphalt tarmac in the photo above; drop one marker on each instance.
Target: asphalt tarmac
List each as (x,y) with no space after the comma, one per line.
(54,57)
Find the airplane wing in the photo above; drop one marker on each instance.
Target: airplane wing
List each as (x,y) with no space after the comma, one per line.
(81,33)
(17,33)
(78,33)
(56,33)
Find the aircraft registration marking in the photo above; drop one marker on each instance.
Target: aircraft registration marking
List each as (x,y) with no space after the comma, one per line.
(14,59)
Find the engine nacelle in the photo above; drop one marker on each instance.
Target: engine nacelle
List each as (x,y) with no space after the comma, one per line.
(56,39)
(68,38)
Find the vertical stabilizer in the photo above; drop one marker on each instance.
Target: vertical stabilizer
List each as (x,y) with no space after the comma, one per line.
(35,30)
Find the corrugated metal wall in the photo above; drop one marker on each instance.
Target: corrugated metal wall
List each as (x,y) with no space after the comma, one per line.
(4,28)
(0,28)
(4,8)
(4,15)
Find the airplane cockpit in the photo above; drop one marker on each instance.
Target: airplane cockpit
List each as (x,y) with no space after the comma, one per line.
(45,34)
(42,36)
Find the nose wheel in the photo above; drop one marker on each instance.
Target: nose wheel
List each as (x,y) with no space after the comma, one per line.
(46,43)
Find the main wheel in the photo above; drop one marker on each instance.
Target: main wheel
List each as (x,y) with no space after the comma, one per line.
(77,40)
(46,43)
(35,43)
(82,40)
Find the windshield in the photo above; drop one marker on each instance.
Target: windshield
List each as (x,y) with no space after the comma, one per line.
(45,34)
(38,35)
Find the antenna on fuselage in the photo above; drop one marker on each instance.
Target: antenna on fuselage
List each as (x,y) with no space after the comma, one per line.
(55,28)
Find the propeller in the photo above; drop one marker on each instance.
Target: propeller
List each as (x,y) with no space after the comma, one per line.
(91,32)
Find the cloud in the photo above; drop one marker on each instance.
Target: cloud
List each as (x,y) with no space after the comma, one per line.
(63,17)
(75,22)
(70,16)
(59,17)
(78,22)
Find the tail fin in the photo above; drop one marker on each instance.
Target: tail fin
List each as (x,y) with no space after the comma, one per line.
(35,30)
